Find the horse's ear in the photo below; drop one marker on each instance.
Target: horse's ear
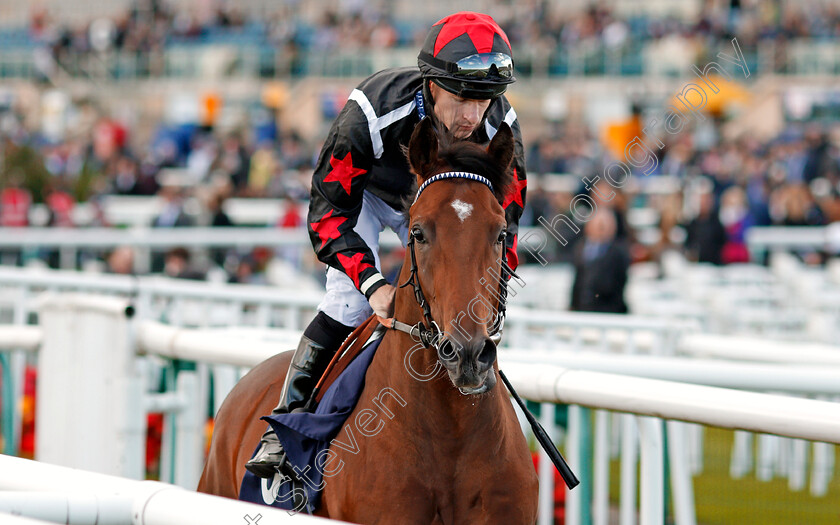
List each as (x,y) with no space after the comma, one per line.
(423,148)
(501,147)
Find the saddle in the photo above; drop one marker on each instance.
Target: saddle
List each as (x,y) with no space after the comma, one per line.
(366,333)
(307,433)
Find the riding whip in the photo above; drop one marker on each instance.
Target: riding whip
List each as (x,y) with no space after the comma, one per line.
(545,441)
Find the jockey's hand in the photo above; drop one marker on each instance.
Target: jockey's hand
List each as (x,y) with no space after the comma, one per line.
(382,301)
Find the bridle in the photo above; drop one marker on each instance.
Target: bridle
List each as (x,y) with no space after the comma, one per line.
(429,333)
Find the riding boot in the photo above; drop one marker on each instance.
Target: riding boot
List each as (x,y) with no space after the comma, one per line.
(308,364)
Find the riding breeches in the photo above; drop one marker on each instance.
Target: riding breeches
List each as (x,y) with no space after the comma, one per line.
(343,302)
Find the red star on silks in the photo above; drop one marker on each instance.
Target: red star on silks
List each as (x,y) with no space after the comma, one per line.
(353,266)
(480,34)
(343,172)
(515,194)
(327,227)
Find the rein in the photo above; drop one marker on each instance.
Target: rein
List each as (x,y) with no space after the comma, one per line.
(431,335)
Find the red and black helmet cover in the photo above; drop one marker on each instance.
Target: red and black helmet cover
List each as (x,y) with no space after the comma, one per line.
(468,54)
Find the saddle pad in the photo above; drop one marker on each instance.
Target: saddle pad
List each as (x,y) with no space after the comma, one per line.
(304,436)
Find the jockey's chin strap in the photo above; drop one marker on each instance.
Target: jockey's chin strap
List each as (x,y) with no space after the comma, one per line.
(431,336)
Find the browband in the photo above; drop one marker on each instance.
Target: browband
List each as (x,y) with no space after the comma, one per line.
(452,175)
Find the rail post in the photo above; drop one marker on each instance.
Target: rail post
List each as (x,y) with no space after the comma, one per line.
(86,360)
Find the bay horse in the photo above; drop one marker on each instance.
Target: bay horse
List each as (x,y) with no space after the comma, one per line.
(438,441)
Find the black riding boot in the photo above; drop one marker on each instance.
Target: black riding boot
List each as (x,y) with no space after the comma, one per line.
(308,364)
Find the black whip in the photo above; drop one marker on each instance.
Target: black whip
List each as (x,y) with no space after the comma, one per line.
(545,441)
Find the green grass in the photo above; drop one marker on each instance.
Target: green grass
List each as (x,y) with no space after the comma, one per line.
(721,500)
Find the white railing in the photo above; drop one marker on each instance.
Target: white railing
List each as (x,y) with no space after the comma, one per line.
(179,301)
(66,495)
(815,376)
(550,329)
(759,350)
(770,238)
(217,346)
(125,210)
(707,405)
(144,240)
(787,300)
(726,408)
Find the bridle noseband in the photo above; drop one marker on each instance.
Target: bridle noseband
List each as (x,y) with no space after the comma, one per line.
(431,336)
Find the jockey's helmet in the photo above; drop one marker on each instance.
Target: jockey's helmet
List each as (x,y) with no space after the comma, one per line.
(468,55)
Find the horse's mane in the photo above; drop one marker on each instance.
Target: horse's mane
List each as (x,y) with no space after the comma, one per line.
(463,155)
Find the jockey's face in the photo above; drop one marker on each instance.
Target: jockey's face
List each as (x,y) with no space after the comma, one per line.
(460,115)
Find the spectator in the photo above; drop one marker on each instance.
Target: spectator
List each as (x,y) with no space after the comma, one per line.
(262,168)
(705,234)
(218,217)
(15,202)
(60,204)
(799,207)
(736,219)
(601,264)
(177,265)
(120,261)
(247,272)
(233,161)
(173,214)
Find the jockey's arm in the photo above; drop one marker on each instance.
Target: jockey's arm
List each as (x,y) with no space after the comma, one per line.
(338,186)
(514,202)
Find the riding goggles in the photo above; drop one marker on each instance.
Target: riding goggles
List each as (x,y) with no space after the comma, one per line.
(477,76)
(484,66)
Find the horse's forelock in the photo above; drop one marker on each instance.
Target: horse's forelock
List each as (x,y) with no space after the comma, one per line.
(460,155)
(473,158)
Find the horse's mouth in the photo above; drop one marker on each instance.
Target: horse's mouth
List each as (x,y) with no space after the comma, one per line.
(486,385)
(474,391)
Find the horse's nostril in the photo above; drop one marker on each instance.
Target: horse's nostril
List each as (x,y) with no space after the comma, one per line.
(488,353)
(447,351)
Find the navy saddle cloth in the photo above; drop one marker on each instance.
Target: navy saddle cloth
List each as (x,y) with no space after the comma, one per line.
(304,436)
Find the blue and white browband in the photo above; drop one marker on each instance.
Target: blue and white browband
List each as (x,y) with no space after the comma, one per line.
(452,175)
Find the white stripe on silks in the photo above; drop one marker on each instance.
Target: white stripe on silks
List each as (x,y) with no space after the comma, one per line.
(377,124)
(370,281)
(510,118)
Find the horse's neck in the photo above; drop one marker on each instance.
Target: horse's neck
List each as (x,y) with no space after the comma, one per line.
(440,406)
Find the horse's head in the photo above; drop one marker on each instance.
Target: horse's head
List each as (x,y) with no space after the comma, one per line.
(457,234)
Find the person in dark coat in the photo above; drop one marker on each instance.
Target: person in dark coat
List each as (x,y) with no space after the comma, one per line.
(705,234)
(601,264)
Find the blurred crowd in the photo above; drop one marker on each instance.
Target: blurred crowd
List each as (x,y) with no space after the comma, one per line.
(724,187)
(149,26)
(192,171)
(546,23)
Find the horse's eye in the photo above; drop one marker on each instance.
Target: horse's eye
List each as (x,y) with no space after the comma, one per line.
(417,233)
(502,236)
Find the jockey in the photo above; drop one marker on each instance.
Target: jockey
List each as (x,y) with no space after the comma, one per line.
(362,178)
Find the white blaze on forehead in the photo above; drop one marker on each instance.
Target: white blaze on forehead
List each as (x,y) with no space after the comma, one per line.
(463,209)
